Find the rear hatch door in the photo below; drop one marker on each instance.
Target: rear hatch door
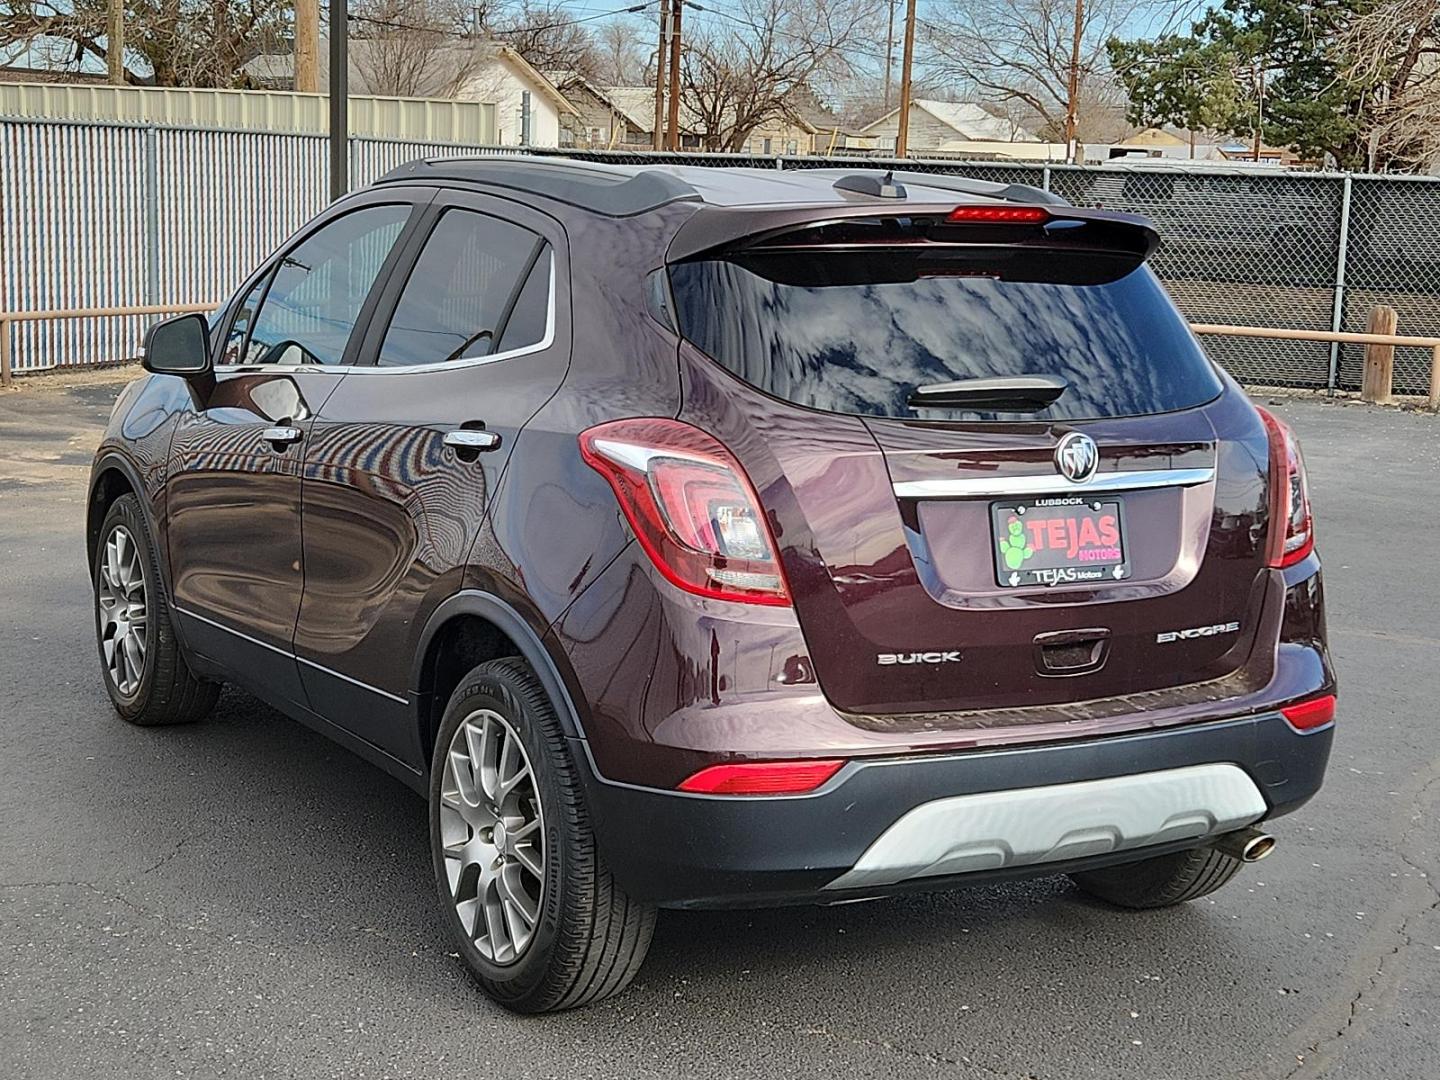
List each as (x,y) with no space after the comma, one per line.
(1004,473)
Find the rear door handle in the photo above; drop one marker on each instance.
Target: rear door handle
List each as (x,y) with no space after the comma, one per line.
(472,439)
(280,437)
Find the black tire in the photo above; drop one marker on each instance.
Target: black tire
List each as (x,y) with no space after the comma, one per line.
(590,938)
(1161,881)
(167,691)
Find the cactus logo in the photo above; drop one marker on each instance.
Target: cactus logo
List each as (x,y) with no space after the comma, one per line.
(1014,548)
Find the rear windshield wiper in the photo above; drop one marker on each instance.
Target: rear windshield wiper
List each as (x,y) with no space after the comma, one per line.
(1015,393)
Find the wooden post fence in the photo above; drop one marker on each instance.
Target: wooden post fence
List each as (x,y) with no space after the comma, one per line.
(7,354)
(1270,332)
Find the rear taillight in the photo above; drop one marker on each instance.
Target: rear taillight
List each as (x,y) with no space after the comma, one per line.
(1292,529)
(1308,715)
(761,778)
(1000,215)
(692,507)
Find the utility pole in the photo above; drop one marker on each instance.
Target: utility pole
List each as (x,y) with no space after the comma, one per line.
(339,99)
(658,142)
(1072,101)
(676,7)
(307,46)
(115,42)
(889,53)
(1260,105)
(902,136)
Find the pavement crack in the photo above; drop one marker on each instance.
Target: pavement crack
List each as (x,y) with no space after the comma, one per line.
(88,886)
(171,853)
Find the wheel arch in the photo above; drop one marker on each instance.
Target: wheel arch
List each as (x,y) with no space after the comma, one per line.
(473,626)
(112,477)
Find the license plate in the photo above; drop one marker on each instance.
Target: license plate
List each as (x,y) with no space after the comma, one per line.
(1058,541)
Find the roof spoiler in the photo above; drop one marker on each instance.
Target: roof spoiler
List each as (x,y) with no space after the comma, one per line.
(716,229)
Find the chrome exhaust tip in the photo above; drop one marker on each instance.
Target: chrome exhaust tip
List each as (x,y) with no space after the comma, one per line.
(1247,845)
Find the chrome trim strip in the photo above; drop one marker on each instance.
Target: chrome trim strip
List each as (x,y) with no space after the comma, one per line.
(474,361)
(356,682)
(230,630)
(285,652)
(1024,486)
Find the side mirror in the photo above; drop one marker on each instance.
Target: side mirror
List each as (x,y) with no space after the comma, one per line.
(179,346)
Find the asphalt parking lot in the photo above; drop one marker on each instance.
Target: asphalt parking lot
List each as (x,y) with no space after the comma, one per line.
(242,898)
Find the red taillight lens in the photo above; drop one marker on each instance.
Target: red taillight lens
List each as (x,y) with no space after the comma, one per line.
(1292,529)
(692,508)
(762,778)
(1308,715)
(1002,215)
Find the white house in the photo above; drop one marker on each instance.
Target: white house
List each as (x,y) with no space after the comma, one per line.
(934,124)
(528,106)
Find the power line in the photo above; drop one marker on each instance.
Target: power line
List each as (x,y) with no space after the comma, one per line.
(779,32)
(395,24)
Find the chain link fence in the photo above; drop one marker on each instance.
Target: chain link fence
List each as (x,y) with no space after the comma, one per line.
(109,214)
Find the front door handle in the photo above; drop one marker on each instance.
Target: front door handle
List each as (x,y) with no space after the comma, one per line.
(472,439)
(281,436)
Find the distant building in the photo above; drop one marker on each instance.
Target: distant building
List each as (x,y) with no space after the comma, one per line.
(936,125)
(528,106)
(606,117)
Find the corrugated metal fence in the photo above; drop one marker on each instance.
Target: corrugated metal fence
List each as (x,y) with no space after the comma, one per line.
(275,111)
(99,215)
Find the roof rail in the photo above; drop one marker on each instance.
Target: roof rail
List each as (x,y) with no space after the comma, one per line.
(613,190)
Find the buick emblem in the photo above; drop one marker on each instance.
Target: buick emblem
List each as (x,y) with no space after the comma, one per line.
(1077,457)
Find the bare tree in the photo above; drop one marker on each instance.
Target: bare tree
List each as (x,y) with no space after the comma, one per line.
(168,42)
(413,48)
(1392,49)
(735,80)
(546,34)
(622,49)
(1020,51)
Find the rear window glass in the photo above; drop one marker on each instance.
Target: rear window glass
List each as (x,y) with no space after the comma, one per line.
(857,332)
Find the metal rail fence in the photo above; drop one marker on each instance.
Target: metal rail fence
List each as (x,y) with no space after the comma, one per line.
(105,215)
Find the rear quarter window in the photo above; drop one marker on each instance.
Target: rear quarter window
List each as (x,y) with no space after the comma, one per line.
(855,332)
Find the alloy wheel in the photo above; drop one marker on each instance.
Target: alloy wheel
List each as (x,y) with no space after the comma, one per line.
(123,611)
(493,835)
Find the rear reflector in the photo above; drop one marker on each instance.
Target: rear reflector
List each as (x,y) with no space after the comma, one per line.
(1006,215)
(762,778)
(1308,715)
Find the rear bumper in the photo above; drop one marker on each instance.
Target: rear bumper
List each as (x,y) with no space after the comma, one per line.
(686,850)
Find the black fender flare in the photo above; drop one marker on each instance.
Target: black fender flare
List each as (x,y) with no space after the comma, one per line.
(508,619)
(114,461)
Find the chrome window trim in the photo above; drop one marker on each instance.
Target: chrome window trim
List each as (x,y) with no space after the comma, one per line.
(1025,486)
(449,365)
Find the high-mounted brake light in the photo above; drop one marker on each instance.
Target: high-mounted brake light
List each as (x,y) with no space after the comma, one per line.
(1308,715)
(1000,215)
(761,778)
(692,507)
(1292,528)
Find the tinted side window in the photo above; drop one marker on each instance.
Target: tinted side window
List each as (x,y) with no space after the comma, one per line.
(319,287)
(530,316)
(478,282)
(234,350)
